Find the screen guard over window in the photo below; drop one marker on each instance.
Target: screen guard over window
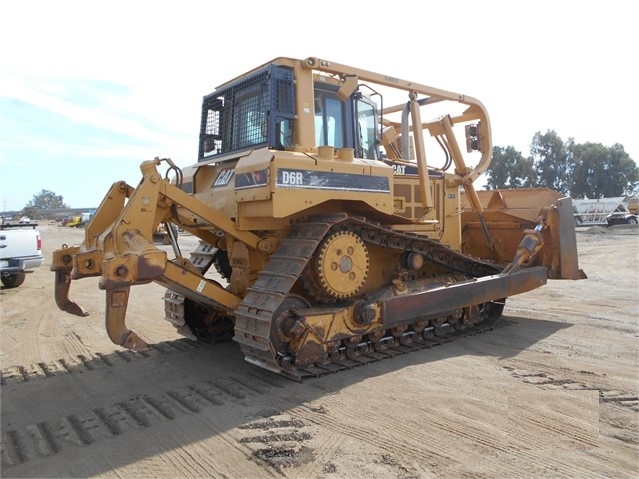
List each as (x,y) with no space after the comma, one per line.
(254,112)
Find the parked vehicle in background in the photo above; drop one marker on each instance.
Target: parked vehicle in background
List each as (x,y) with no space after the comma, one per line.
(602,212)
(79,221)
(20,252)
(621,218)
(74,222)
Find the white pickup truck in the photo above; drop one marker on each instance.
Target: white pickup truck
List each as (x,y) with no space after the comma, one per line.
(20,252)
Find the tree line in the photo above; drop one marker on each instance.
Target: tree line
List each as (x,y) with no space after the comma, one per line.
(579,170)
(44,200)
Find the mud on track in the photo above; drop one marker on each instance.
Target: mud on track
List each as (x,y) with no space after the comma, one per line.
(551,392)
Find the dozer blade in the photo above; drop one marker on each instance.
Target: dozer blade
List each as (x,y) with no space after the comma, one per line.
(567,238)
(509,214)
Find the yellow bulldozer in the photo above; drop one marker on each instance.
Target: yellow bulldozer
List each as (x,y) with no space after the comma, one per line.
(343,225)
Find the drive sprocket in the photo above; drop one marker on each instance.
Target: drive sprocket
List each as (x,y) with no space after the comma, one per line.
(340,266)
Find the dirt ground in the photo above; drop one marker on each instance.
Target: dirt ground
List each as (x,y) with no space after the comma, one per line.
(552,392)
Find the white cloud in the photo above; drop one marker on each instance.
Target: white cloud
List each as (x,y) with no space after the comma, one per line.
(101,115)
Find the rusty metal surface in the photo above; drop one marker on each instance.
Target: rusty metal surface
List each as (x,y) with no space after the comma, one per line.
(440,300)
(522,203)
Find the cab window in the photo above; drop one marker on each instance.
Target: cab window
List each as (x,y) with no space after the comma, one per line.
(366,127)
(329,120)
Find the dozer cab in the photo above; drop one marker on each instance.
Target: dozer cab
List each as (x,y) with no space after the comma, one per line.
(342,221)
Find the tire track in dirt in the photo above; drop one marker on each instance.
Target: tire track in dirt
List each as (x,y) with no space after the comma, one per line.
(88,361)
(587,435)
(51,437)
(573,433)
(93,425)
(32,309)
(134,413)
(476,436)
(30,335)
(182,459)
(405,442)
(441,438)
(47,438)
(419,437)
(278,441)
(325,453)
(517,447)
(546,380)
(423,441)
(15,320)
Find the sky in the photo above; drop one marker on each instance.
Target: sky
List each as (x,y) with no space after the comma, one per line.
(89,90)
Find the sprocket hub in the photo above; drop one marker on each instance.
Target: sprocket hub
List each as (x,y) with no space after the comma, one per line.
(341,265)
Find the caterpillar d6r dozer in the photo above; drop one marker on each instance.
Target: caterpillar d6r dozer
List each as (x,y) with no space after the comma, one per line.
(328,236)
